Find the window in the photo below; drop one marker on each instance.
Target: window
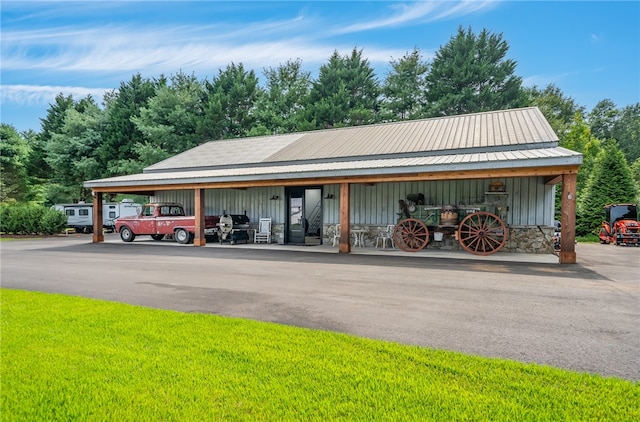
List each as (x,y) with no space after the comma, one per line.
(148,211)
(176,211)
(70,213)
(112,214)
(83,211)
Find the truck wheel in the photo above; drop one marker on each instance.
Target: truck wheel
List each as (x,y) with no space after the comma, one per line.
(182,236)
(157,236)
(126,234)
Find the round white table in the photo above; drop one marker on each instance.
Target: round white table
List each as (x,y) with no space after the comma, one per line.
(358,237)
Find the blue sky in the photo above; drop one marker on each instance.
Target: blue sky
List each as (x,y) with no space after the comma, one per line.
(590,49)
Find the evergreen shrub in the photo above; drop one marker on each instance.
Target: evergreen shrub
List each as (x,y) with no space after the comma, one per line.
(25,218)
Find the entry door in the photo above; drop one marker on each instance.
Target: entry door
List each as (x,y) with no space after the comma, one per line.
(295,198)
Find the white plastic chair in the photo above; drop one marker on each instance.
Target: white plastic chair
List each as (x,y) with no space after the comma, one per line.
(263,234)
(336,235)
(386,235)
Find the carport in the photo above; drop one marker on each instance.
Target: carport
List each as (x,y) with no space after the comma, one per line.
(511,145)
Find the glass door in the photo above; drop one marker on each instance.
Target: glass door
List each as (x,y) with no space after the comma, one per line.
(296,229)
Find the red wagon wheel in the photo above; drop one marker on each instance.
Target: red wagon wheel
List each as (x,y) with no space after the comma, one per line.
(411,235)
(482,233)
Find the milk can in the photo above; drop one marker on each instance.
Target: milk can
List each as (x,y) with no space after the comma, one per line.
(449,216)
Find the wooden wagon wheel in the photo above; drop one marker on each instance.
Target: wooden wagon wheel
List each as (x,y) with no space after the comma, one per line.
(411,235)
(482,233)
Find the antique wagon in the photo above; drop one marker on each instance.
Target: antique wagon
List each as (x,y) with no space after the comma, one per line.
(479,228)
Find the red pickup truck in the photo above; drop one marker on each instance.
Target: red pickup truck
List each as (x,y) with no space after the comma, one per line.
(161,219)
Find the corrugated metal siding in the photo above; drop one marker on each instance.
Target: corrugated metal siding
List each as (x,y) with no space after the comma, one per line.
(530,201)
(255,202)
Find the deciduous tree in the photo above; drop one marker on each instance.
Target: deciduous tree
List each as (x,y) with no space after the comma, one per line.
(559,110)
(626,130)
(602,119)
(14,155)
(71,152)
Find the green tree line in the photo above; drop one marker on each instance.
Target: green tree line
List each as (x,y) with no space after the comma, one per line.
(147,120)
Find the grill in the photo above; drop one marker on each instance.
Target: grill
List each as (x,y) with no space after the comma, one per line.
(233,228)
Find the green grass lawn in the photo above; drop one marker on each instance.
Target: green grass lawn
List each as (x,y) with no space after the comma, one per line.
(590,238)
(68,358)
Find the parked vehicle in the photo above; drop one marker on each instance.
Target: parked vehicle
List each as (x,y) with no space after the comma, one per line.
(162,219)
(557,235)
(620,225)
(80,215)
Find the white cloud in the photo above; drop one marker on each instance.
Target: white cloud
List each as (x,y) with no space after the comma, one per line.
(89,53)
(124,50)
(541,81)
(45,94)
(421,12)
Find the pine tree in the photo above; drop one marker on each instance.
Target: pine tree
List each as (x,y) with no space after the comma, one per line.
(470,74)
(610,182)
(345,93)
(404,88)
(281,107)
(120,133)
(229,102)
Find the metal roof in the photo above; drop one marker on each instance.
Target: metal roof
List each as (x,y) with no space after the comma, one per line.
(497,130)
(545,157)
(501,139)
(229,153)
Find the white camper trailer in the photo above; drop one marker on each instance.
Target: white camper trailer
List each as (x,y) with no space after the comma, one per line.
(80,215)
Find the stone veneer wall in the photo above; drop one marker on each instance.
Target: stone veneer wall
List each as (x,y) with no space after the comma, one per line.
(530,239)
(521,239)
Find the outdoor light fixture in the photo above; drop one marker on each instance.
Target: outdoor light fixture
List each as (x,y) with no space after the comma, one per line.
(329,196)
(275,197)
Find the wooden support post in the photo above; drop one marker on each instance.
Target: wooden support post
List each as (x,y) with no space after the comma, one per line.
(98,235)
(345,227)
(568,219)
(199,239)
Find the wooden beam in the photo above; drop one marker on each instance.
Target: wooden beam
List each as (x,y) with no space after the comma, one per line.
(199,239)
(568,220)
(345,228)
(98,235)
(369,179)
(553,180)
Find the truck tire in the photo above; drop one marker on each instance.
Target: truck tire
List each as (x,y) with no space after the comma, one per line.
(182,236)
(157,236)
(126,234)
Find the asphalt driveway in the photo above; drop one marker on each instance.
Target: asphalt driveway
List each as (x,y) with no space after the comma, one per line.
(583,317)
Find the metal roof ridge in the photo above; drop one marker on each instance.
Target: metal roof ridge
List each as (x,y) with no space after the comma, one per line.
(417,154)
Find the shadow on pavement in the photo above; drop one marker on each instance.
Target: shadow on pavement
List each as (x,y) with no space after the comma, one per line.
(309,257)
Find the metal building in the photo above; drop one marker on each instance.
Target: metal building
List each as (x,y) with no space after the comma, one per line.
(308,182)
